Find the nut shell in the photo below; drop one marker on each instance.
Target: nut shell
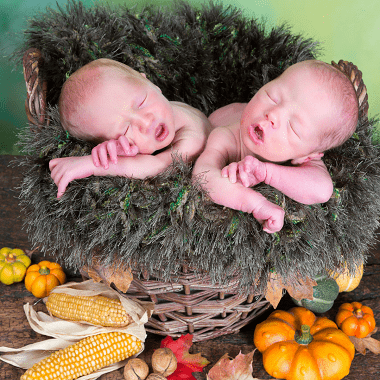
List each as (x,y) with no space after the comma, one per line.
(164,361)
(155,376)
(136,369)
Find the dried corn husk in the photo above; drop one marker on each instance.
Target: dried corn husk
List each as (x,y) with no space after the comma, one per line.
(66,333)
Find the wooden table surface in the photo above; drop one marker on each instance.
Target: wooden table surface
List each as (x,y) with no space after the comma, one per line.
(15,331)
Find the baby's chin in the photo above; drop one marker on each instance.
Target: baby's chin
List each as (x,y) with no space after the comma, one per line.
(261,154)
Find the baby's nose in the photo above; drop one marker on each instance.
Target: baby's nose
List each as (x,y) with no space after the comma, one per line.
(272,120)
(144,122)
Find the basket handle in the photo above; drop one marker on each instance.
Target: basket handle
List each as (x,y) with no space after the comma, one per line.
(356,78)
(36,88)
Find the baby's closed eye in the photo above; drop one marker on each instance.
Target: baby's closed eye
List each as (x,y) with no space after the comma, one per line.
(271,97)
(141,101)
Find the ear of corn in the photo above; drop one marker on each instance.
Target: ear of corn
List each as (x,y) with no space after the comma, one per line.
(97,310)
(84,357)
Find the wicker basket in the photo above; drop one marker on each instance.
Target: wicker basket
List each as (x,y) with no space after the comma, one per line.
(192,304)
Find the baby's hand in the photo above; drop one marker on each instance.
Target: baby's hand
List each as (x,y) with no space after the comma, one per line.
(112,148)
(270,216)
(249,171)
(64,170)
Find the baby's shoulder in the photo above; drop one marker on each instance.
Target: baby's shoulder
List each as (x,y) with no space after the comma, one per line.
(189,111)
(225,137)
(227,115)
(187,117)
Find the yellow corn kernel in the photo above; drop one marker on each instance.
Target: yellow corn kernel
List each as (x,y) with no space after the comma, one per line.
(97,310)
(66,364)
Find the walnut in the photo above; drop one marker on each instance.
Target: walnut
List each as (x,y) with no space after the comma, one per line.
(136,369)
(164,361)
(155,376)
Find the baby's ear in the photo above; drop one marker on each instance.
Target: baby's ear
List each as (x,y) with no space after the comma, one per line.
(309,157)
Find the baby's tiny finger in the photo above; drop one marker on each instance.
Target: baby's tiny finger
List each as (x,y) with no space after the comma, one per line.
(95,158)
(134,150)
(225,172)
(243,175)
(125,145)
(52,164)
(112,153)
(244,179)
(232,172)
(61,187)
(103,158)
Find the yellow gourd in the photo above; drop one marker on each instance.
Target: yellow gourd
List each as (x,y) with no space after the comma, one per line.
(13,265)
(348,281)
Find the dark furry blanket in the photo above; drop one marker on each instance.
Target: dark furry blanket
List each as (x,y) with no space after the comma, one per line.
(207,58)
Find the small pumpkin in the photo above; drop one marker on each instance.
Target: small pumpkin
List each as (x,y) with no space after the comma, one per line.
(41,278)
(13,265)
(355,319)
(347,281)
(324,294)
(297,345)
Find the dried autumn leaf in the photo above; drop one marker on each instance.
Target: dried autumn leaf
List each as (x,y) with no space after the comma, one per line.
(239,368)
(301,289)
(361,344)
(110,274)
(186,363)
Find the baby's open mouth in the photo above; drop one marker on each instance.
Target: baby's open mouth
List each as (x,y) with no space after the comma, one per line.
(256,133)
(161,132)
(259,133)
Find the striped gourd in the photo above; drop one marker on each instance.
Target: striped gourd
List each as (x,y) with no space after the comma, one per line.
(98,310)
(84,357)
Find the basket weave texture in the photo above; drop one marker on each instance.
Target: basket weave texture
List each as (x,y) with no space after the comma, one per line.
(207,58)
(192,304)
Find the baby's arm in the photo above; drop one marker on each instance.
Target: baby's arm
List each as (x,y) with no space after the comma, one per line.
(64,170)
(221,141)
(307,183)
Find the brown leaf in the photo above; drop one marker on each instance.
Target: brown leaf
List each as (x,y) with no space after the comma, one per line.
(29,252)
(239,368)
(299,290)
(361,344)
(274,290)
(358,344)
(111,274)
(302,289)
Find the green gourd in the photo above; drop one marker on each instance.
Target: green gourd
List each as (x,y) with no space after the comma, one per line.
(324,295)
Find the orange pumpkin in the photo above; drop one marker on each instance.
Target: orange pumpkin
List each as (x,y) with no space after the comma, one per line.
(296,345)
(355,319)
(41,278)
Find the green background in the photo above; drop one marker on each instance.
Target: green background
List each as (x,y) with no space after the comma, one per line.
(347,29)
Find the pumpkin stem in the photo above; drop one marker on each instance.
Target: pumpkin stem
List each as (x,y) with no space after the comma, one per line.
(10,258)
(44,270)
(358,313)
(303,336)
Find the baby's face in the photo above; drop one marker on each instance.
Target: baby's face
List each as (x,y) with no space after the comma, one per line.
(286,117)
(132,107)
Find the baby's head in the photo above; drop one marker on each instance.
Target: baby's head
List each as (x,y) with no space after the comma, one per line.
(344,103)
(310,108)
(106,99)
